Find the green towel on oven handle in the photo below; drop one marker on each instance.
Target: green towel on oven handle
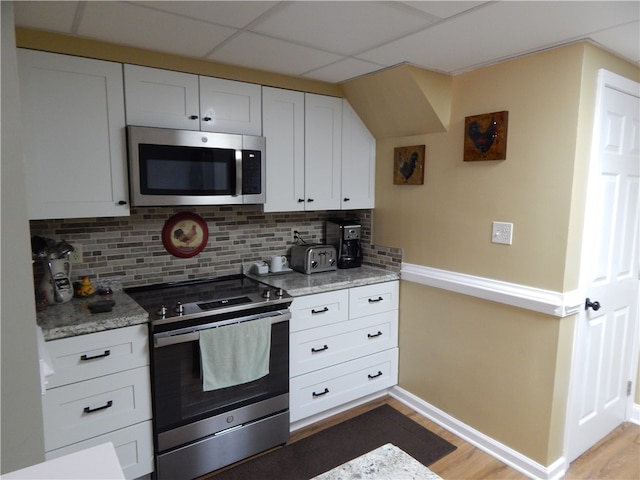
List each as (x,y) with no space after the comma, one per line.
(235,354)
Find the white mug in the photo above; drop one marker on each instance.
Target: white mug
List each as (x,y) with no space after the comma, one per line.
(277,263)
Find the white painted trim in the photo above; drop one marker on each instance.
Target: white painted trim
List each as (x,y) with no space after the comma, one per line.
(501,452)
(543,301)
(635,414)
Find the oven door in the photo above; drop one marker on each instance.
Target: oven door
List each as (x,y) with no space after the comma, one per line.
(183,412)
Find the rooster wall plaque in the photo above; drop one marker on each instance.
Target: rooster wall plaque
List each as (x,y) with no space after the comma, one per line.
(408,165)
(485,137)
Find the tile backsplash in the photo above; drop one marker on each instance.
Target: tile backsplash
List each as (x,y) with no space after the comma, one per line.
(129,250)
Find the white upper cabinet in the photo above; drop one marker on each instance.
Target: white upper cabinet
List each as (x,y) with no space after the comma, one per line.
(168,99)
(322,152)
(161,98)
(283,127)
(228,106)
(358,162)
(320,156)
(73,135)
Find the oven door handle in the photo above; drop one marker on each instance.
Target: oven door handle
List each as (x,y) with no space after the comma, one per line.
(192,334)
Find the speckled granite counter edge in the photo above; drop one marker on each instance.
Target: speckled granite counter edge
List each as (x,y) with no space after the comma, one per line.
(298,284)
(74,318)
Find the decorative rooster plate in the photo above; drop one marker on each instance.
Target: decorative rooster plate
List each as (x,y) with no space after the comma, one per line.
(485,137)
(185,234)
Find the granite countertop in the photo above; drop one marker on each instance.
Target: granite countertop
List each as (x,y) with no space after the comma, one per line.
(74,317)
(297,284)
(387,462)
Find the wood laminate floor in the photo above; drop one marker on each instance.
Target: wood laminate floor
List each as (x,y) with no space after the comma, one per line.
(616,457)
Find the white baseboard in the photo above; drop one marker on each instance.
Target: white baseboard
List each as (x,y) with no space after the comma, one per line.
(505,454)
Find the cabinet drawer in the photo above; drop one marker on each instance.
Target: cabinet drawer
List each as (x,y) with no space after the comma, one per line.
(319,309)
(370,299)
(324,389)
(134,447)
(87,409)
(322,347)
(96,354)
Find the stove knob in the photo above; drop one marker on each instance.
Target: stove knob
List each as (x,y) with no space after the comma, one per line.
(266,294)
(162,312)
(279,292)
(179,308)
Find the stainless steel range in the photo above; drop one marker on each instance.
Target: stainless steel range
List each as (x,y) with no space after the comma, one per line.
(198,429)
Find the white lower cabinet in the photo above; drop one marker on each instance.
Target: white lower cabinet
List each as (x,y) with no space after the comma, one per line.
(101,393)
(343,347)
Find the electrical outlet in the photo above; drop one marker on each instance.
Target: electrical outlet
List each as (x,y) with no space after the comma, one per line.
(76,255)
(294,234)
(502,232)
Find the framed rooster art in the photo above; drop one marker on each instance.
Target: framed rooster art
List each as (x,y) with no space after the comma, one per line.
(408,165)
(485,137)
(185,234)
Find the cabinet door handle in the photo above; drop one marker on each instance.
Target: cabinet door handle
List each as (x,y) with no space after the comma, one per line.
(85,357)
(316,350)
(122,202)
(193,117)
(92,410)
(371,377)
(324,310)
(374,335)
(326,390)
(206,119)
(346,199)
(309,199)
(375,300)
(300,200)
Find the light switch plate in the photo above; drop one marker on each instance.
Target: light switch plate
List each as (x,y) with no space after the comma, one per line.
(502,232)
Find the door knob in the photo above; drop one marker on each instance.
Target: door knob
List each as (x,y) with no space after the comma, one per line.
(595,305)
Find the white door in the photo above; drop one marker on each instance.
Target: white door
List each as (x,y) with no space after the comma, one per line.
(605,350)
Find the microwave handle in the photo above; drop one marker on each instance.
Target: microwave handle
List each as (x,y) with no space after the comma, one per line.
(238,173)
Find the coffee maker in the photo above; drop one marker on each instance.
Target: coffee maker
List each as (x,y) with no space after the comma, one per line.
(344,234)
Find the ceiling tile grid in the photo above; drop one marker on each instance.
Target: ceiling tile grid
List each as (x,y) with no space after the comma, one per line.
(334,41)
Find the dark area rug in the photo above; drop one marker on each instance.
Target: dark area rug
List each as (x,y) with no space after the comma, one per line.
(336,445)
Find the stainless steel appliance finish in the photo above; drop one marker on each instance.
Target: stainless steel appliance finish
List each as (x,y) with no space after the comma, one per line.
(196,431)
(184,167)
(344,235)
(313,258)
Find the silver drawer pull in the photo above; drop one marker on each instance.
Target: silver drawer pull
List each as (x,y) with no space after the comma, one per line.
(374,335)
(316,350)
(371,377)
(324,310)
(375,300)
(86,357)
(92,410)
(326,390)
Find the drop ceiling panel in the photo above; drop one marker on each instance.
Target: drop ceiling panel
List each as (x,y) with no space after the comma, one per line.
(147,28)
(342,70)
(499,31)
(444,9)
(272,55)
(231,14)
(345,27)
(49,16)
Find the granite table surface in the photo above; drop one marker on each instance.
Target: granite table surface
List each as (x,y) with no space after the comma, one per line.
(74,317)
(387,462)
(297,284)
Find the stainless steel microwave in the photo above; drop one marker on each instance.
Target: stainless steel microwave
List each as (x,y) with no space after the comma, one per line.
(184,167)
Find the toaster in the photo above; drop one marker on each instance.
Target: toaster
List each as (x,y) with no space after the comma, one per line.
(313,258)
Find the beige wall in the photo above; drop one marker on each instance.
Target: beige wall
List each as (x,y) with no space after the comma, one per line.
(499,369)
